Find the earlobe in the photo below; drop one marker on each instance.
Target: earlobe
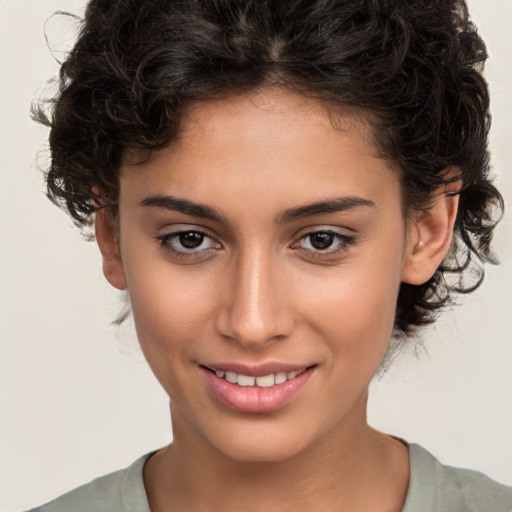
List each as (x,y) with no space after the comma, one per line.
(429,236)
(107,239)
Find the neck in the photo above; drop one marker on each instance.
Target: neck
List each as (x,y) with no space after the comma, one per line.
(333,474)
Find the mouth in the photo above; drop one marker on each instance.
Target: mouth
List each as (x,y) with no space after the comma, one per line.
(262,381)
(262,389)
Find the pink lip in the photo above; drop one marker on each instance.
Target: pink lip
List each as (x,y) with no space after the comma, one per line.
(255,399)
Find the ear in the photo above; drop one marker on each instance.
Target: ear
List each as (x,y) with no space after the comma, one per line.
(108,242)
(430,234)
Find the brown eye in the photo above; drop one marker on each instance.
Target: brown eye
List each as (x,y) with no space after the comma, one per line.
(191,239)
(324,243)
(321,240)
(190,243)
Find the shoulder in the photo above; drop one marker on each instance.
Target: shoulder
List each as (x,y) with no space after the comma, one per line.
(121,491)
(434,487)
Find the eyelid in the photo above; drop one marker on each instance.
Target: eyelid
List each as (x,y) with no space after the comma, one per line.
(342,242)
(345,240)
(170,230)
(343,232)
(164,239)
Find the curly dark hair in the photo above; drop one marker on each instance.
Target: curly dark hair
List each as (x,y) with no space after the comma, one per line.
(416,65)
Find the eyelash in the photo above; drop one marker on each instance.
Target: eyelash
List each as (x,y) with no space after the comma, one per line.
(168,240)
(344,242)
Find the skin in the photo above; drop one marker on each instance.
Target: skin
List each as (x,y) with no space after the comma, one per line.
(258,290)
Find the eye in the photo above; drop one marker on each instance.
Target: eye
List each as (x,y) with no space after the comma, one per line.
(189,243)
(190,239)
(324,242)
(321,240)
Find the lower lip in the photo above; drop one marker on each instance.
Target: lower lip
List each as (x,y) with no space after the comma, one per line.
(253,398)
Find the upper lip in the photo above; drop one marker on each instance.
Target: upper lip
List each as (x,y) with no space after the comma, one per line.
(256,370)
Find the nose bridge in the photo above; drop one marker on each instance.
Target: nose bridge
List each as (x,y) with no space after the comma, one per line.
(255,311)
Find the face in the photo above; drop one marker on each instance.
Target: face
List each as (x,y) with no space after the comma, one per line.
(263,253)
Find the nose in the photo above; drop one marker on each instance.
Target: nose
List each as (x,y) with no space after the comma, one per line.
(256,309)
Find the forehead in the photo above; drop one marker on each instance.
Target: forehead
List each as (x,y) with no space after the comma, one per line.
(268,142)
(273,117)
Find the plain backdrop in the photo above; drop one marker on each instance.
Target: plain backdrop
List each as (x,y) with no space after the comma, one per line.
(76,398)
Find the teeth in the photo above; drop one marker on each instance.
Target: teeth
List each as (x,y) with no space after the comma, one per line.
(231,377)
(266,381)
(246,381)
(280,378)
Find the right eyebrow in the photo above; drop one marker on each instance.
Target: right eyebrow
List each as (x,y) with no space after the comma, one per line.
(184,206)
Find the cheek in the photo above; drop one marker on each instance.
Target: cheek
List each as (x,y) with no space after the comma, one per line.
(355,312)
(171,310)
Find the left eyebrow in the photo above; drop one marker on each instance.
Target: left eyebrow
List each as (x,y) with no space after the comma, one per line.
(338,204)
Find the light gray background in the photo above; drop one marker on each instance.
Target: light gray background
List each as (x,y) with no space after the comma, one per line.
(76,399)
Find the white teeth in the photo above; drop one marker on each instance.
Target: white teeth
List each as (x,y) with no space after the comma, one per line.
(280,378)
(231,377)
(265,381)
(246,381)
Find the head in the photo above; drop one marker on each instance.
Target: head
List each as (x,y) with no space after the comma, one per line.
(391,93)
(412,69)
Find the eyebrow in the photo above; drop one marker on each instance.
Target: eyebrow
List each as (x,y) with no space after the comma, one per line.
(337,204)
(207,212)
(184,206)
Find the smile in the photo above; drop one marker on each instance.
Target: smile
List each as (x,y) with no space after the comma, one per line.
(265,381)
(270,388)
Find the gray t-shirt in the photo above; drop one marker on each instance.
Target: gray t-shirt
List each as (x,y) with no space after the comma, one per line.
(433,487)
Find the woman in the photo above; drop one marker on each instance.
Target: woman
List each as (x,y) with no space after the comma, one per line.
(281,187)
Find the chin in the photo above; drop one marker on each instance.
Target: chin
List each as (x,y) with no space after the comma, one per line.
(261,452)
(261,443)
